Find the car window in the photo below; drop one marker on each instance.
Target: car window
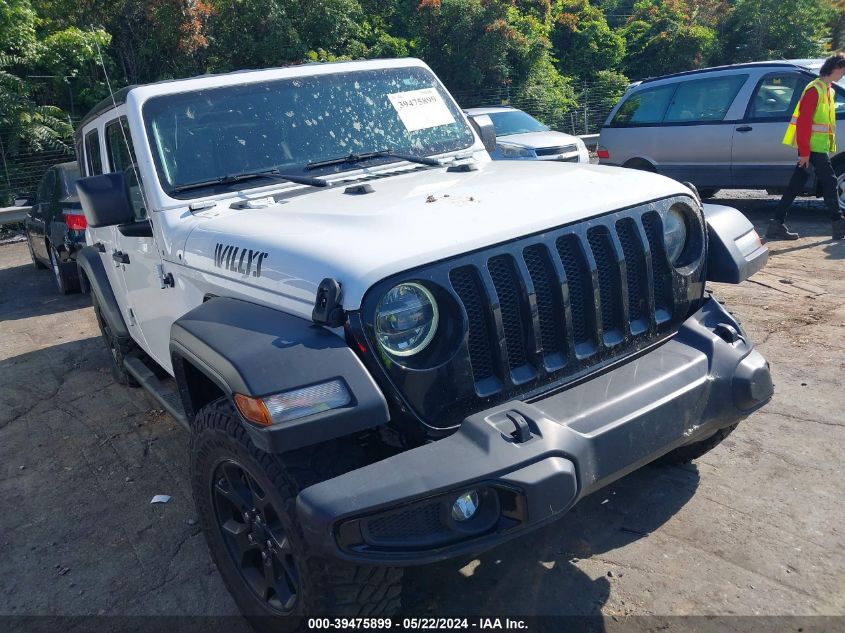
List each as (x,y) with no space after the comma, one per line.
(839,102)
(93,160)
(516,122)
(70,175)
(121,156)
(46,186)
(644,106)
(119,145)
(704,99)
(776,96)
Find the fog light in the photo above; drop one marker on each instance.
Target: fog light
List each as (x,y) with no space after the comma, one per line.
(465,506)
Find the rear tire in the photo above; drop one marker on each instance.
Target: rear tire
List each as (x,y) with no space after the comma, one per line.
(64,273)
(839,169)
(640,164)
(118,347)
(686,454)
(709,192)
(246,503)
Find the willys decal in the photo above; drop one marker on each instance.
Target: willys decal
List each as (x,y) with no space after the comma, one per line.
(239,260)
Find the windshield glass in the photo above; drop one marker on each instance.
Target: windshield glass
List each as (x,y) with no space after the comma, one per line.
(287,124)
(516,122)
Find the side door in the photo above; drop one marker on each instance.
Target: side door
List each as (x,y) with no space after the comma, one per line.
(138,257)
(695,135)
(759,159)
(36,221)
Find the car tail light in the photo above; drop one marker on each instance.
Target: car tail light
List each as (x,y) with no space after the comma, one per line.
(75,221)
(602,152)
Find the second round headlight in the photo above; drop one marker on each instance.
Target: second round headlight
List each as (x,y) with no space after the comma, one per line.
(406,319)
(674,234)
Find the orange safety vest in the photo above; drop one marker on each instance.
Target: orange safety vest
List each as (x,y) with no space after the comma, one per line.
(823,136)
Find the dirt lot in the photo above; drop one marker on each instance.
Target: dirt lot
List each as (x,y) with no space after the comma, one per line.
(755,527)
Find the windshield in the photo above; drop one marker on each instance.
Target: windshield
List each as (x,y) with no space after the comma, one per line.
(286,124)
(516,122)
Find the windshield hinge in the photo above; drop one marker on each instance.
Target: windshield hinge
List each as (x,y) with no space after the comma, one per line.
(328,309)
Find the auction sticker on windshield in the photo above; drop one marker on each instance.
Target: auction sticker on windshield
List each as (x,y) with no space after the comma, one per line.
(421,109)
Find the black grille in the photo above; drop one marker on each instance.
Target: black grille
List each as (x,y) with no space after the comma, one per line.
(567,299)
(419,522)
(549,151)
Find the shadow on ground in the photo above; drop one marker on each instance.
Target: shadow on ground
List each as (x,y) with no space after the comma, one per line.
(27,292)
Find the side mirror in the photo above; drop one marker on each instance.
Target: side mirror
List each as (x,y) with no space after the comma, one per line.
(105,200)
(483,126)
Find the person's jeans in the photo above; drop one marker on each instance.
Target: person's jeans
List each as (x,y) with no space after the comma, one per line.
(827,179)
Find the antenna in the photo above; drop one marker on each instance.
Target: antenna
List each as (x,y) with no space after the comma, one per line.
(123,132)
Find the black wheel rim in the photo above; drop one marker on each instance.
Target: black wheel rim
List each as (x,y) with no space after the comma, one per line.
(255,540)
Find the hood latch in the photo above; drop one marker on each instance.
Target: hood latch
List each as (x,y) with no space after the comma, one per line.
(328,308)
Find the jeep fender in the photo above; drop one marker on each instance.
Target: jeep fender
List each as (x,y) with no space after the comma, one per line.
(253,350)
(735,251)
(88,262)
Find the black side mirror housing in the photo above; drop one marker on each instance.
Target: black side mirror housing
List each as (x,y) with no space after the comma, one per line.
(483,125)
(105,200)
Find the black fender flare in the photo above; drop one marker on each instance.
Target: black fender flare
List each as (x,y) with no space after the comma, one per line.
(88,262)
(735,251)
(249,349)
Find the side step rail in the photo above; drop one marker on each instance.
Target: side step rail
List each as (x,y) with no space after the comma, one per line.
(159,389)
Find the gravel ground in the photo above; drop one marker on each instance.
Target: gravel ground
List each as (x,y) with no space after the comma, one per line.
(753,528)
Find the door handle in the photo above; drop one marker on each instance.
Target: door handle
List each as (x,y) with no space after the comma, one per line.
(744,128)
(120,257)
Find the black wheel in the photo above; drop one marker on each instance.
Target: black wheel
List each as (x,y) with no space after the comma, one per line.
(707,192)
(686,454)
(245,500)
(37,263)
(118,347)
(641,164)
(64,273)
(839,168)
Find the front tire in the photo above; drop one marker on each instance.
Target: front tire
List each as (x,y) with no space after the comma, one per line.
(118,347)
(246,503)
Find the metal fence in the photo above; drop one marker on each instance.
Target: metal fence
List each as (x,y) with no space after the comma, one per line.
(583,113)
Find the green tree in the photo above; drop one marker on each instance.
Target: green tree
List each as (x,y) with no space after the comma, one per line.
(583,42)
(776,29)
(662,38)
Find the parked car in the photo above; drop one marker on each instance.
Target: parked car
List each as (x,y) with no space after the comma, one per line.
(519,136)
(393,357)
(55,226)
(717,128)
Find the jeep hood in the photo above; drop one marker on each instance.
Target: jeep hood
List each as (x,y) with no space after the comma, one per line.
(409,219)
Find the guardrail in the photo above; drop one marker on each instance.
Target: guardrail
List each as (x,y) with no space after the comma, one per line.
(13,214)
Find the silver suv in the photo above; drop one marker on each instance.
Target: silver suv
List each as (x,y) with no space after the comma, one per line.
(717,127)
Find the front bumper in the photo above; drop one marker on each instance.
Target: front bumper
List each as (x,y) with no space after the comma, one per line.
(532,461)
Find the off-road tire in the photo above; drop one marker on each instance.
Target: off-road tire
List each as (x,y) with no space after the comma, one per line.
(37,263)
(690,452)
(118,347)
(64,273)
(323,587)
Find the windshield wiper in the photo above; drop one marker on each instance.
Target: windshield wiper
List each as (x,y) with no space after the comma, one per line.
(273,174)
(385,153)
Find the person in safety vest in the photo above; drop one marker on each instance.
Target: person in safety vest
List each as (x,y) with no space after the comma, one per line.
(813,131)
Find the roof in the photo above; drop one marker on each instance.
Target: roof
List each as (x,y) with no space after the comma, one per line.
(800,63)
(489,110)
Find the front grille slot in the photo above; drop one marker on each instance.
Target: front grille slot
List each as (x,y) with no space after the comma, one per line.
(513,318)
(550,151)
(580,287)
(467,284)
(636,274)
(661,275)
(610,289)
(549,305)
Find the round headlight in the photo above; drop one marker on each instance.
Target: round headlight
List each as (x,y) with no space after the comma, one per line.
(406,319)
(674,234)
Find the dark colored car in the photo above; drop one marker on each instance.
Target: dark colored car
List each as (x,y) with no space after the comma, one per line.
(55,226)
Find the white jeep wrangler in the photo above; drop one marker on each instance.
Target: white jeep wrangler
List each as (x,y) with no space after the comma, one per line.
(387,349)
